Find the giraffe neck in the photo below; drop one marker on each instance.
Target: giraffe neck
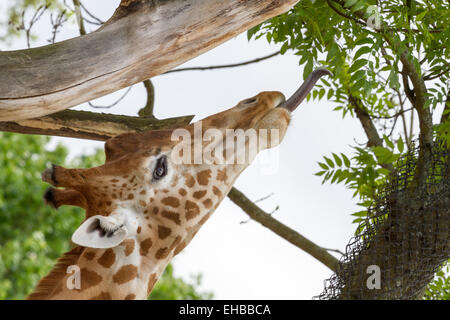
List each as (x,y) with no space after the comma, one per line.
(123,272)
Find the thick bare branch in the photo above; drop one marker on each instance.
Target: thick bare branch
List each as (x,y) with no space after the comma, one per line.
(90,125)
(143,39)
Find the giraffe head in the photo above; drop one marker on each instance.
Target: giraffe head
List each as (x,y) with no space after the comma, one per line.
(157,188)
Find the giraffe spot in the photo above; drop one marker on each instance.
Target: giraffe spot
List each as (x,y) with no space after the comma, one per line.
(108,203)
(102,296)
(132,179)
(125,274)
(217,192)
(182,192)
(199,194)
(107,259)
(114,180)
(89,279)
(130,196)
(163,232)
(222,175)
(142,203)
(124,185)
(143,192)
(189,180)
(129,246)
(180,247)
(192,209)
(131,296)
(162,253)
(203,177)
(175,217)
(89,255)
(171,201)
(207,203)
(145,246)
(151,282)
(139,229)
(174,182)
(149,226)
(165,190)
(175,242)
(155,210)
(114,196)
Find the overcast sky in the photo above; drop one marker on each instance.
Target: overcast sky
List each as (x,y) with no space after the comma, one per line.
(247,261)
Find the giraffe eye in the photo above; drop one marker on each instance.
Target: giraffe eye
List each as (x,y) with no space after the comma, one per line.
(160,168)
(250,101)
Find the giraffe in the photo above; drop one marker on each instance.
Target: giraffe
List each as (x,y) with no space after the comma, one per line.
(143,207)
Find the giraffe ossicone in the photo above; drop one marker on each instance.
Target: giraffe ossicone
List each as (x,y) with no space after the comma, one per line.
(143,208)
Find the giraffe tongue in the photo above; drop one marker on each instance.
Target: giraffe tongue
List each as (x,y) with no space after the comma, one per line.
(294,101)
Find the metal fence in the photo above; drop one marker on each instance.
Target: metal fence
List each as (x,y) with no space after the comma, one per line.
(404,239)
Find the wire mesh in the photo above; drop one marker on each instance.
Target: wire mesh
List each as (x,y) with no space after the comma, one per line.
(405,236)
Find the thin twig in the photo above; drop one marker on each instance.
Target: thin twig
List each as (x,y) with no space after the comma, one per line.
(225,65)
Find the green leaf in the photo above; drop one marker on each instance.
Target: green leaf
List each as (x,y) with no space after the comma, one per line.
(358,64)
(361,51)
(346,160)
(329,162)
(337,160)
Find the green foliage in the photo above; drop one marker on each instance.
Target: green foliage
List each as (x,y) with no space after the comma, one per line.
(439,289)
(32,235)
(365,44)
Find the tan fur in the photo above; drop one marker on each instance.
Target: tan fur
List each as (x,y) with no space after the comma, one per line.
(49,283)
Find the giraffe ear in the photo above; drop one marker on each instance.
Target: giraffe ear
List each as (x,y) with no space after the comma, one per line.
(100,232)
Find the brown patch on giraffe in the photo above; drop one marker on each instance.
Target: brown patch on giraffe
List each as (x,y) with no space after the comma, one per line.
(189,180)
(130,196)
(175,217)
(139,229)
(145,246)
(102,296)
(125,274)
(165,190)
(114,196)
(182,192)
(174,182)
(192,209)
(155,210)
(132,179)
(114,180)
(143,192)
(89,279)
(142,203)
(175,242)
(180,247)
(203,177)
(171,201)
(129,246)
(199,194)
(131,296)
(217,192)
(107,259)
(207,203)
(162,253)
(124,185)
(89,255)
(222,175)
(151,282)
(163,232)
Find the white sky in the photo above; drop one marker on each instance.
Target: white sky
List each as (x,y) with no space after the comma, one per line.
(247,261)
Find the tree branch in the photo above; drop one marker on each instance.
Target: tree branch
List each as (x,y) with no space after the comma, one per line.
(240,64)
(141,40)
(282,230)
(90,125)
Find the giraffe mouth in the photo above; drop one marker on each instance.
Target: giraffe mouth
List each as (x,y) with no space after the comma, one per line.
(294,101)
